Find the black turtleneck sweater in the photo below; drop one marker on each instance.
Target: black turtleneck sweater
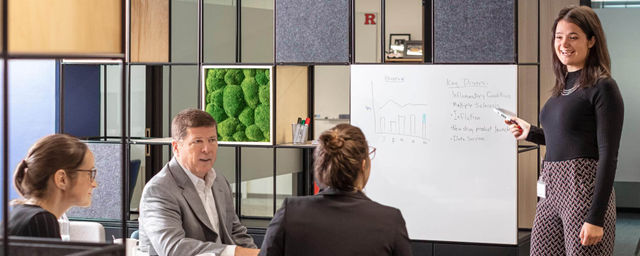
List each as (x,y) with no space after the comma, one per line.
(585,124)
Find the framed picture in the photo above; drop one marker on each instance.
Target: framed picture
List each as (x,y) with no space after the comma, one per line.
(398,39)
(413,49)
(240,100)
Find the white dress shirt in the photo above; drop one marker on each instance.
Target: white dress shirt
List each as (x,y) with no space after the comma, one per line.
(203,187)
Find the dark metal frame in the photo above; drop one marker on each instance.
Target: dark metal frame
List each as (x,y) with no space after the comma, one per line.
(427,37)
(5,128)
(428,58)
(6,56)
(428,15)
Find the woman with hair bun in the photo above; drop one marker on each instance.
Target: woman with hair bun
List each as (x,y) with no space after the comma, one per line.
(57,173)
(341,219)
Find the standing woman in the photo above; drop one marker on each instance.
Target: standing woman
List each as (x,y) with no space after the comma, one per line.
(58,173)
(341,219)
(582,123)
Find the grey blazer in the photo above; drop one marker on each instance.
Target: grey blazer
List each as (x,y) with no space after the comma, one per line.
(173,220)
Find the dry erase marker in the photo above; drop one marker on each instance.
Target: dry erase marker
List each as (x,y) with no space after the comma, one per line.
(507,115)
(504,113)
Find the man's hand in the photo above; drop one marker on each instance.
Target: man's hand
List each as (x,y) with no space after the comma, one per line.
(590,234)
(241,251)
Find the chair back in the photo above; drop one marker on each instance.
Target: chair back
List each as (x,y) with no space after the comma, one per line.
(86,231)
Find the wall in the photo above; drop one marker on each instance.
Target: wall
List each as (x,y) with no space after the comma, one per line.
(219,36)
(184,88)
(403,16)
(81,104)
(367,42)
(112,90)
(257,34)
(219,33)
(331,97)
(622,39)
(138,125)
(183,31)
(32,108)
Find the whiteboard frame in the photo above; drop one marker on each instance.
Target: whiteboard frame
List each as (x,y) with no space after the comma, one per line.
(508,224)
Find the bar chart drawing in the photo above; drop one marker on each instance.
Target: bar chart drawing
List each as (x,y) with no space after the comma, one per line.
(400,119)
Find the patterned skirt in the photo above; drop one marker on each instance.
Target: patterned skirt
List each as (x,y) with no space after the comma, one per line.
(570,186)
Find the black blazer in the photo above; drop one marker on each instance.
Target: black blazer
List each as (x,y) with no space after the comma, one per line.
(336,223)
(32,220)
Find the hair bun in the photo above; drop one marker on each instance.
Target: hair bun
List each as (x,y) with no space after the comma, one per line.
(337,141)
(332,141)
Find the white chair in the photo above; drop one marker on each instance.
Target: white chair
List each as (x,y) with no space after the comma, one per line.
(86,231)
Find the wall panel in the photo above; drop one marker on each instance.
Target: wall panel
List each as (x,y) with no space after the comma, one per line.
(291,99)
(468,31)
(527,161)
(149,31)
(312,31)
(106,201)
(527,31)
(65,26)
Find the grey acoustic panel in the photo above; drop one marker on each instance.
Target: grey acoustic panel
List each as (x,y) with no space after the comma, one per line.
(312,31)
(107,197)
(471,31)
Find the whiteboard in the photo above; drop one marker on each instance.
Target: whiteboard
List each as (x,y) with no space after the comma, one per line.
(444,157)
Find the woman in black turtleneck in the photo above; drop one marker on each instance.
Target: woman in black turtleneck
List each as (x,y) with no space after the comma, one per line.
(582,125)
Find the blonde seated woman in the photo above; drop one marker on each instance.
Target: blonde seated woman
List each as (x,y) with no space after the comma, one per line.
(57,173)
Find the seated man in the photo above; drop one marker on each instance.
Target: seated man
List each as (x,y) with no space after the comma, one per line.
(187,209)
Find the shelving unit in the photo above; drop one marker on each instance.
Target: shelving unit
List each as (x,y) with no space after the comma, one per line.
(160,58)
(164,76)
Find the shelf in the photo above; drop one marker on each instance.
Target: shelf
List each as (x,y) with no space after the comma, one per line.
(403,60)
(525,148)
(307,144)
(167,141)
(331,119)
(153,141)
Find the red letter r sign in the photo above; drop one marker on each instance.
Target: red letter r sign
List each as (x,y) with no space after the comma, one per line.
(369,18)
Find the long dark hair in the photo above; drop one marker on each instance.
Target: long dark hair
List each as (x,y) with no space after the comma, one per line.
(598,64)
(44,158)
(339,155)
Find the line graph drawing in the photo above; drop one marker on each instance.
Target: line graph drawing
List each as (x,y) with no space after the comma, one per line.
(402,119)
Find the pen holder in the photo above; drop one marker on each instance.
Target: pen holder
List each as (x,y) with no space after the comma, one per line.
(298,133)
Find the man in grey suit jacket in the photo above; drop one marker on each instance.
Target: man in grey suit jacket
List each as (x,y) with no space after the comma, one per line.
(187,209)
